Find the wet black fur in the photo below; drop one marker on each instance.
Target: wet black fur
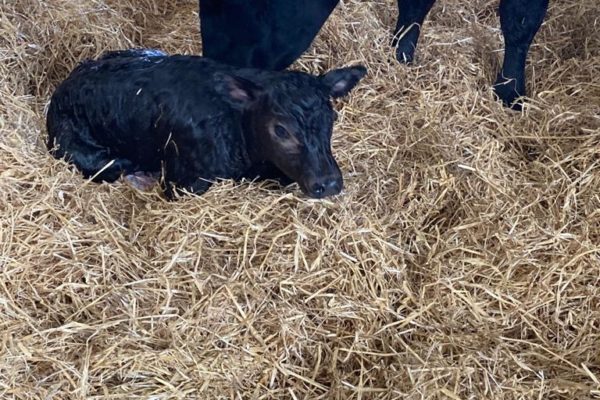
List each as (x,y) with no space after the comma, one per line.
(193,119)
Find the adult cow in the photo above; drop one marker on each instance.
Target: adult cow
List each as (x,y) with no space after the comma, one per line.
(272,34)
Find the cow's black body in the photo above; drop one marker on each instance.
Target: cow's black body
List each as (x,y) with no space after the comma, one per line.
(272,34)
(196,120)
(262,34)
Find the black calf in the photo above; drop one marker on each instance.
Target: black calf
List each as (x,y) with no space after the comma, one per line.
(194,120)
(273,34)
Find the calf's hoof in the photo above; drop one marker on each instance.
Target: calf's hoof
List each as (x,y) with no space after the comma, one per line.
(141,180)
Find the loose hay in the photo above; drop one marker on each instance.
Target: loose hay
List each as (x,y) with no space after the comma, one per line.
(462,262)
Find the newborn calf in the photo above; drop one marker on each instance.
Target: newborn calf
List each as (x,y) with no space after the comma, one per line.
(193,120)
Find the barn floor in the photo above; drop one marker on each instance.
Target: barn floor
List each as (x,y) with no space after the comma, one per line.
(462,262)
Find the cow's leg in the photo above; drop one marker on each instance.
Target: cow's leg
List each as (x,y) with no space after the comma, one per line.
(261,34)
(411,14)
(520,20)
(95,161)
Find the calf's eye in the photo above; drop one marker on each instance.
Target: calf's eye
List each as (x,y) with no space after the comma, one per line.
(281,132)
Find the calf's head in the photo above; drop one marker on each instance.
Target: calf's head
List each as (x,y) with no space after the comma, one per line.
(288,121)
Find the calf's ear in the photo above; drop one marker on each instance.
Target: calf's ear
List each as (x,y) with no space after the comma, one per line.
(237,91)
(341,81)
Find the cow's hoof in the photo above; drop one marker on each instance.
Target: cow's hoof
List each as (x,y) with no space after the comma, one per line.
(141,180)
(510,93)
(405,51)
(405,44)
(404,56)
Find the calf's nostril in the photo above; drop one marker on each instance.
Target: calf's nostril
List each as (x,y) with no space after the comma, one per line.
(334,186)
(318,189)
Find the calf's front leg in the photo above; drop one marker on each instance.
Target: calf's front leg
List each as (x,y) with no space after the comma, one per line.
(180,172)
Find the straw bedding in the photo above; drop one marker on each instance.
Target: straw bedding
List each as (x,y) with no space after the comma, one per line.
(462,261)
